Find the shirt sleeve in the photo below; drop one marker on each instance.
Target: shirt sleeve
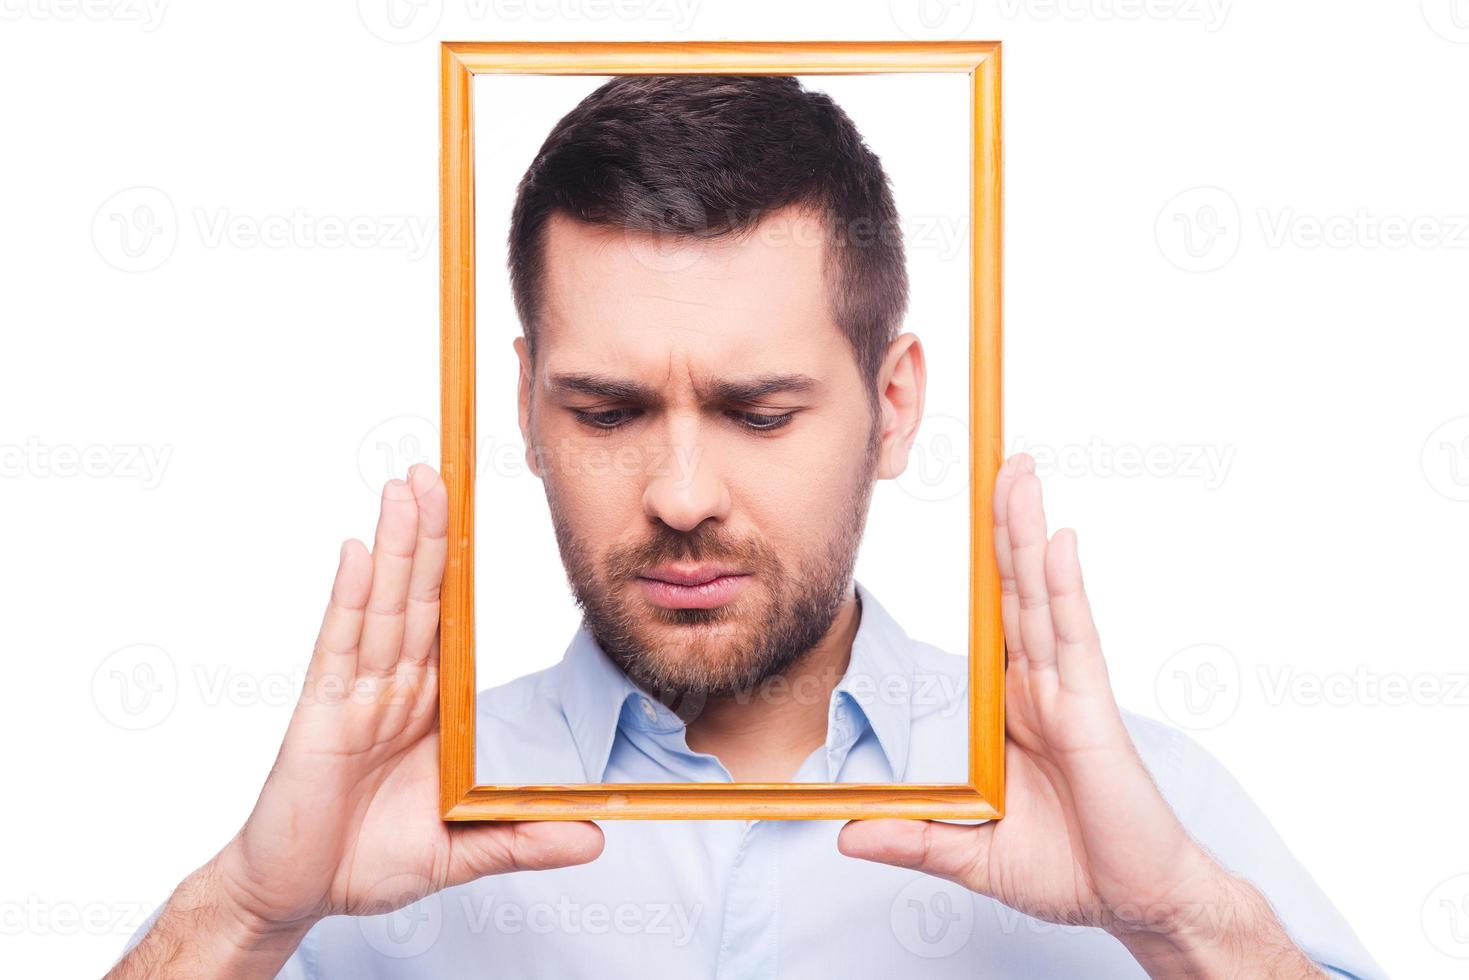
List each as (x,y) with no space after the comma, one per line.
(1220,815)
(298,967)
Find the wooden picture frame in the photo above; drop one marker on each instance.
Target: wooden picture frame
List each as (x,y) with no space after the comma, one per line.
(460,799)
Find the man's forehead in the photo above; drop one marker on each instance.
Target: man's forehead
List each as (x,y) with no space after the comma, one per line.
(748,303)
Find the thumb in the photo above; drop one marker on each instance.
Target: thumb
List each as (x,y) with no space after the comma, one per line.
(958,852)
(479,849)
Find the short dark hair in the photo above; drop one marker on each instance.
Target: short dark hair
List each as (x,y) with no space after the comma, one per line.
(711,155)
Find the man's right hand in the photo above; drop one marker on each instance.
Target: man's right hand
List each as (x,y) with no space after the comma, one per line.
(348,821)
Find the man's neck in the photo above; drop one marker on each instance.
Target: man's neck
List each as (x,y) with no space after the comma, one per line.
(763,735)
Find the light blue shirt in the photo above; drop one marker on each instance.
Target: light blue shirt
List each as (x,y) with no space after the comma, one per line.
(756,899)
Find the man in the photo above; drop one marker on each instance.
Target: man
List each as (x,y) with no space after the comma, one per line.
(691,288)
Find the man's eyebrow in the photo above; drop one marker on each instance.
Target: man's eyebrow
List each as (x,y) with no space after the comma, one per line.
(752,389)
(717,389)
(600,386)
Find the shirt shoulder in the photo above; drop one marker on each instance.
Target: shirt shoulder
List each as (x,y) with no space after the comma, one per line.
(522,733)
(940,681)
(938,706)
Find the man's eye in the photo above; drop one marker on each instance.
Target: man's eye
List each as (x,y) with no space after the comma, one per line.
(760,421)
(609,418)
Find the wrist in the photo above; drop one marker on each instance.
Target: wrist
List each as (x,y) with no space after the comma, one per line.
(240,941)
(219,889)
(202,932)
(1223,928)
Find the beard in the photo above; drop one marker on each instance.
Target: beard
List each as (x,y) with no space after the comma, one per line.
(684,656)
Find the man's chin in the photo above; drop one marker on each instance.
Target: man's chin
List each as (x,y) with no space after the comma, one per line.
(689,658)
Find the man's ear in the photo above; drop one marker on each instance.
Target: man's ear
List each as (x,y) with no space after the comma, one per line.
(527,376)
(901,382)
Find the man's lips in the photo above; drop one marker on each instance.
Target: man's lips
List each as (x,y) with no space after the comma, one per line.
(691,585)
(689,573)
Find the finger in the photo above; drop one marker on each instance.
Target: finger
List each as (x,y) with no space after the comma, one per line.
(1027,521)
(421,619)
(958,852)
(392,563)
(1009,598)
(483,849)
(1078,647)
(334,659)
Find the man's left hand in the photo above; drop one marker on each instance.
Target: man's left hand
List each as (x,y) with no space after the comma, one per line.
(1087,838)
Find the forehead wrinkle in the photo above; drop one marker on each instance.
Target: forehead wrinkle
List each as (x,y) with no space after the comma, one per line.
(681,301)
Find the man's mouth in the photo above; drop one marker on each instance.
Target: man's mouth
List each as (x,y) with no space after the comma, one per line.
(691,585)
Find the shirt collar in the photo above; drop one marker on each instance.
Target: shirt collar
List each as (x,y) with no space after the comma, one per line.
(597,697)
(879,682)
(593,692)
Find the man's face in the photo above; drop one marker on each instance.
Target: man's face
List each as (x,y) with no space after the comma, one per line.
(707,443)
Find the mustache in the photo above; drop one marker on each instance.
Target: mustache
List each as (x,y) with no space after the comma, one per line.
(704,543)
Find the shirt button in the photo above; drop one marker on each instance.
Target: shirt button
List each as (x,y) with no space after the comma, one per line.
(648,711)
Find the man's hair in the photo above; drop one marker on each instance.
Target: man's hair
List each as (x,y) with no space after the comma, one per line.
(706,156)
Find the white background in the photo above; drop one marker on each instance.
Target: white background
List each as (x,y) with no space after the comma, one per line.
(915,552)
(280,379)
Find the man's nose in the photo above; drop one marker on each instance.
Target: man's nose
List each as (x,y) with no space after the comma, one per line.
(687,485)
